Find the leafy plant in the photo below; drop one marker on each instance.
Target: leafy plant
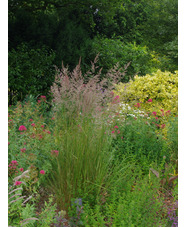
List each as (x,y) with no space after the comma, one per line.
(157,92)
(113,51)
(20,212)
(137,205)
(30,71)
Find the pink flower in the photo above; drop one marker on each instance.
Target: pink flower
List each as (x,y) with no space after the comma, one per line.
(115,126)
(154,113)
(116,99)
(48,132)
(22,128)
(8,143)
(23,150)
(113,131)
(42,126)
(55,152)
(118,131)
(30,119)
(137,105)
(18,182)
(163,126)
(39,101)
(162,112)
(167,112)
(14,162)
(21,169)
(150,100)
(43,97)
(42,172)
(156,118)
(122,137)
(33,124)
(53,118)
(40,136)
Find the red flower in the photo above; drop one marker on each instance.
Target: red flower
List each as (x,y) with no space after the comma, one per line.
(42,126)
(22,128)
(113,131)
(33,124)
(137,105)
(30,119)
(150,100)
(116,99)
(18,182)
(163,126)
(21,169)
(167,112)
(43,97)
(23,150)
(42,172)
(55,152)
(154,113)
(48,132)
(14,162)
(115,126)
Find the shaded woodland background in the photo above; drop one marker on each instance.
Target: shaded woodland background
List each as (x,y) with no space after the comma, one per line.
(42,34)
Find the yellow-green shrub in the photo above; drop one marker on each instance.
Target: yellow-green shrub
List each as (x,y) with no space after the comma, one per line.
(160,87)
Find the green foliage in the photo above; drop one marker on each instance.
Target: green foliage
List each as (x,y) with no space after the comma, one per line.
(31,147)
(137,205)
(30,71)
(160,87)
(20,210)
(139,138)
(113,51)
(160,30)
(47,215)
(172,136)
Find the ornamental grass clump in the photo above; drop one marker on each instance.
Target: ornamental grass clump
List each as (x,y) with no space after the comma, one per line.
(84,96)
(82,164)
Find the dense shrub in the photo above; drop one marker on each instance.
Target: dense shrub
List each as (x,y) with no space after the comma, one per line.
(112,51)
(153,93)
(30,70)
(137,205)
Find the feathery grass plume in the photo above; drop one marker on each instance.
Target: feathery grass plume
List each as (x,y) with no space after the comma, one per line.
(84,94)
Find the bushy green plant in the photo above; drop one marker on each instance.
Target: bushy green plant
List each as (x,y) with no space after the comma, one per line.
(157,92)
(138,137)
(137,205)
(30,70)
(33,146)
(112,51)
(20,212)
